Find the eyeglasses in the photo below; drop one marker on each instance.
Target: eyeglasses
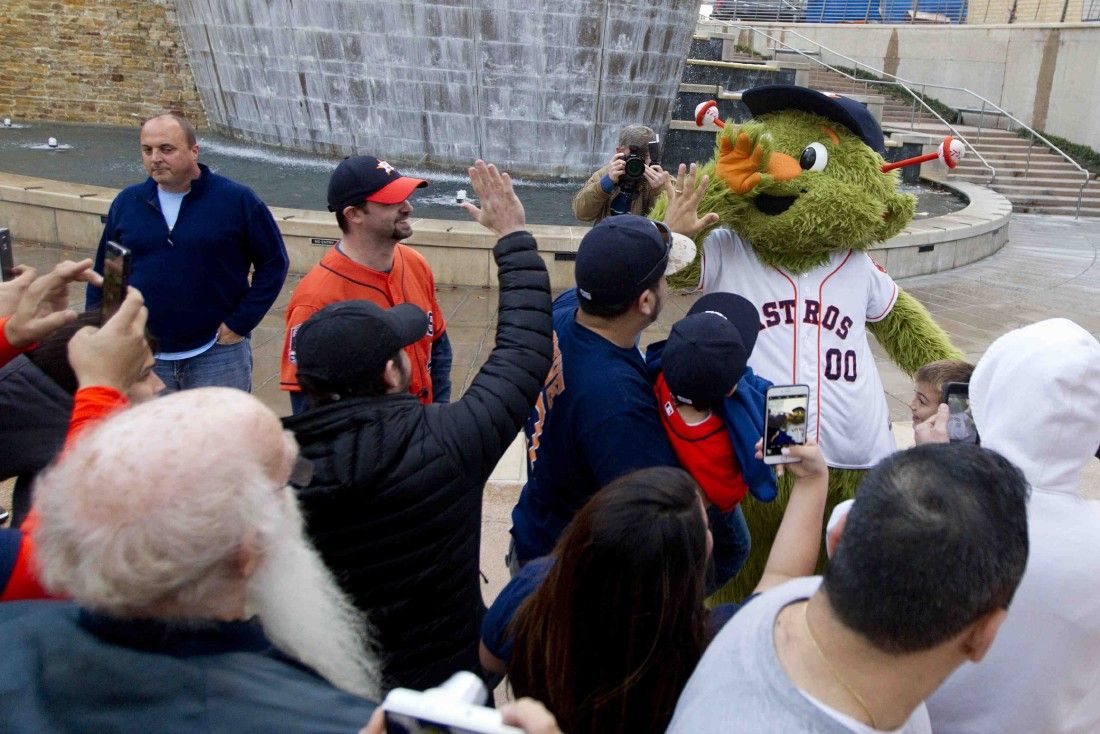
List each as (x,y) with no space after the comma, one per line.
(662,264)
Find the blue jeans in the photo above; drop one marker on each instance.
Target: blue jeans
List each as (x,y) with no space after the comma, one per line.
(298,402)
(732,544)
(222,365)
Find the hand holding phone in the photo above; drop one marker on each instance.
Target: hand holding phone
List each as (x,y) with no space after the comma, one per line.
(786,409)
(960,421)
(43,305)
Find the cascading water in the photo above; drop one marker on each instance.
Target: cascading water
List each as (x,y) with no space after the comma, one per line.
(540,87)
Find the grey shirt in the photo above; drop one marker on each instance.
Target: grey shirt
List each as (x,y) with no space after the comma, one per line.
(740,685)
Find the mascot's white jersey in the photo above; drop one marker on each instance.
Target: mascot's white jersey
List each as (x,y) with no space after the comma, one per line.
(813,332)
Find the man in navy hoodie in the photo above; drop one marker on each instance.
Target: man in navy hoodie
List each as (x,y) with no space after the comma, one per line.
(195,236)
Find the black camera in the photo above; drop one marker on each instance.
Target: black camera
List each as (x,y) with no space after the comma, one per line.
(634,168)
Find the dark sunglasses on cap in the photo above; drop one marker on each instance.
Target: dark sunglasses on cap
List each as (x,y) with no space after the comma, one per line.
(662,264)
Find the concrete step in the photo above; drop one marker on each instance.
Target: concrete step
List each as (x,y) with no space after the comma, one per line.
(974,167)
(1068,176)
(1060,184)
(1007,145)
(1033,199)
(1068,211)
(1029,190)
(1020,158)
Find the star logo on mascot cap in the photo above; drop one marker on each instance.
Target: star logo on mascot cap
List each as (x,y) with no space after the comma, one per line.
(383,166)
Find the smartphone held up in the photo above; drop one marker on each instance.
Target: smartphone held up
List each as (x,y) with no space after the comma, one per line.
(7,258)
(116,279)
(785,421)
(960,421)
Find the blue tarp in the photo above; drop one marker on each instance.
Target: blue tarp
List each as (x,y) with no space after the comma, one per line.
(884,11)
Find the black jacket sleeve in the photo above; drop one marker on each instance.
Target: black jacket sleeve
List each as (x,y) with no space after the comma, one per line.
(477,429)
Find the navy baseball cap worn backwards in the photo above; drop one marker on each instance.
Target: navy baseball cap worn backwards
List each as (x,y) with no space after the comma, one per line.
(361,178)
(843,110)
(618,258)
(345,345)
(707,350)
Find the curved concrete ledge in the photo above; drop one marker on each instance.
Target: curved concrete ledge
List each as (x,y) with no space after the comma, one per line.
(460,252)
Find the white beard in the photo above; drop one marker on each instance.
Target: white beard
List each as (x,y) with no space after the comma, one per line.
(307,616)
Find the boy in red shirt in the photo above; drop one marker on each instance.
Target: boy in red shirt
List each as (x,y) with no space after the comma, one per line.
(712,409)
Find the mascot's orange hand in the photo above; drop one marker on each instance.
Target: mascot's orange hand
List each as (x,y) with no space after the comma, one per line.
(740,165)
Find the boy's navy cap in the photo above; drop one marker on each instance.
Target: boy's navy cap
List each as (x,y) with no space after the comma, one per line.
(619,256)
(345,345)
(844,110)
(738,310)
(361,178)
(703,358)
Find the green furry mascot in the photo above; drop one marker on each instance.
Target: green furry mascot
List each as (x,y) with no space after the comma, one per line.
(799,198)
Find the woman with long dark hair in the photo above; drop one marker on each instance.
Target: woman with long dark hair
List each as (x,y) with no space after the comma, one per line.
(613,622)
(611,636)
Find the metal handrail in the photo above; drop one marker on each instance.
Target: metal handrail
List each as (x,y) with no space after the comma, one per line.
(904,84)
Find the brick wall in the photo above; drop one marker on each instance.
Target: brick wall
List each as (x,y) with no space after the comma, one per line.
(104,61)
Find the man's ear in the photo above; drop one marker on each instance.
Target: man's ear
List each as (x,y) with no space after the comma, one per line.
(646,303)
(352,213)
(391,375)
(979,637)
(249,556)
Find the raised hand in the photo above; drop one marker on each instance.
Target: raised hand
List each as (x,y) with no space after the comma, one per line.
(44,305)
(501,210)
(740,164)
(684,195)
(115,354)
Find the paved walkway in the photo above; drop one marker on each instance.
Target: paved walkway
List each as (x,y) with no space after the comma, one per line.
(1049,268)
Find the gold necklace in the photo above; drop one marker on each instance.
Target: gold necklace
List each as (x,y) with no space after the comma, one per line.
(851,691)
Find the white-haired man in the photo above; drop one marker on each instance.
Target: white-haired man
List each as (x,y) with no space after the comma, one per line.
(198,602)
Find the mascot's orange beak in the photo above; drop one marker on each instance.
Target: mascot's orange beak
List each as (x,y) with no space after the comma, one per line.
(783,167)
(739,164)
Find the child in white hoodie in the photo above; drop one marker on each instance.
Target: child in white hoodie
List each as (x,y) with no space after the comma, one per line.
(1035,395)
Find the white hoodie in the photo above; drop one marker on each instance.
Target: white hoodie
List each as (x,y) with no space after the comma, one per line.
(1035,397)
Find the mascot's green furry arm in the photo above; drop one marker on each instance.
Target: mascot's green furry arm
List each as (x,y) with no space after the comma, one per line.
(800,197)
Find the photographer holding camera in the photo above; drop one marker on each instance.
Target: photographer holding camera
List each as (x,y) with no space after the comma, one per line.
(629,183)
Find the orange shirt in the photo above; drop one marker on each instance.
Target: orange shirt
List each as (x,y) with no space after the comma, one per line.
(704,451)
(7,351)
(90,406)
(339,278)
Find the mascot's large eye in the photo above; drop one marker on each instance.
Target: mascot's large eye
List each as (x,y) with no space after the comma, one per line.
(814,157)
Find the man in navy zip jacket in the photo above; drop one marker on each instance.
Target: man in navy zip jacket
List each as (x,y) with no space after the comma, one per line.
(195,236)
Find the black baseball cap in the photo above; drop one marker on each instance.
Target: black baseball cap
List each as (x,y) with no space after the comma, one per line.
(361,178)
(738,310)
(345,345)
(843,110)
(619,256)
(707,350)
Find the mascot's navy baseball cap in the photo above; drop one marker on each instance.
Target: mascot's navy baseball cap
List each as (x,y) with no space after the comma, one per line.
(843,110)
(361,178)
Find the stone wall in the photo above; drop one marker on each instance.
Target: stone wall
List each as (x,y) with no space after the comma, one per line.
(104,61)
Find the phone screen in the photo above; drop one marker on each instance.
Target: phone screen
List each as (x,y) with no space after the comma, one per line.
(960,421)
(7,259)
(785,424)
(116,278)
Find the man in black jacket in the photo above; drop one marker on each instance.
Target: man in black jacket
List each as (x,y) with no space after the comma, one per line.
(394,506)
